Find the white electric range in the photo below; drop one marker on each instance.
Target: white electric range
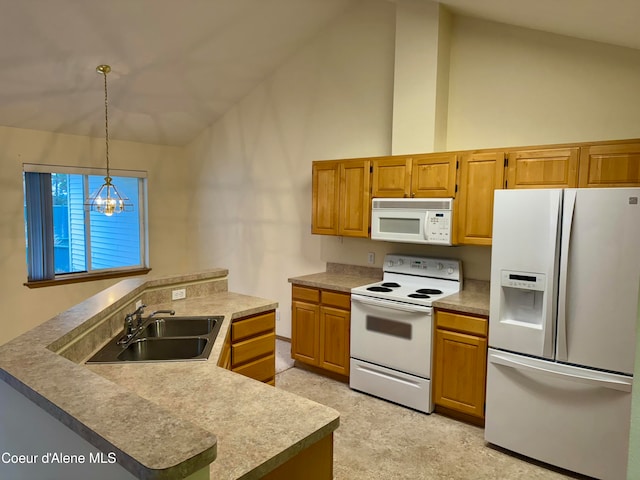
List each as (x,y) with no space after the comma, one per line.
(392,328)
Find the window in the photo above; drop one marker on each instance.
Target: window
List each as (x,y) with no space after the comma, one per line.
(64,240)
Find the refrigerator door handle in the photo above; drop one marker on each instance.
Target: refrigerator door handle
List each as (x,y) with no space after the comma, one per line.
(550,303)
(567,224)
(595,382)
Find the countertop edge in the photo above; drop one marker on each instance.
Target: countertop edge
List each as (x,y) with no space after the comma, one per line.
(24,377)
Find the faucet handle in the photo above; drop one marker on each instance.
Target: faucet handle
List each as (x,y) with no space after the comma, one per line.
(128,324)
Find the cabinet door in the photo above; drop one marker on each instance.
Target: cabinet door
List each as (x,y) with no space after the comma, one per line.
(434,175)
(480,175)
(355,198)
(460,374)
(325,188)
(305,332)
(334,340)
(549,168)
(391,177)
(610,166)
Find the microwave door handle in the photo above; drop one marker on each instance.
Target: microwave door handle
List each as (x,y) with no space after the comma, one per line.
(425,233)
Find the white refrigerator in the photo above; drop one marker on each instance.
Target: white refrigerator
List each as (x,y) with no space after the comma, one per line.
(565,294)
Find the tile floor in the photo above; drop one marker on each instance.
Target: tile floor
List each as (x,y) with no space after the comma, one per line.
(378,440)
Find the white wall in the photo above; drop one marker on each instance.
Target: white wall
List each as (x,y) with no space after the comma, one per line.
(251,197)
(24,308)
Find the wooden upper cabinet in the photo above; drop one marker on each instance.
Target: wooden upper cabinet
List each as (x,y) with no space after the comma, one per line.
(326,196)
(341,197)
(480,175)
(434,175)
(548,168)
(391,177)
(610,165)
(429,175)
(354,215)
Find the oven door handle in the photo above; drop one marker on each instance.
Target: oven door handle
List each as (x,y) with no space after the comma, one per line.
(392,305)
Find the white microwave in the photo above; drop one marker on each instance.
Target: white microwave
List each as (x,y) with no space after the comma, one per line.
(412,220)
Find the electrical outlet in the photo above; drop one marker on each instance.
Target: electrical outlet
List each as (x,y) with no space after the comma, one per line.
(371,258)
(178,294)
(277,314)
(138,304)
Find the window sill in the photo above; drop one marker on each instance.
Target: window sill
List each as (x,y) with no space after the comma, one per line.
(86,277)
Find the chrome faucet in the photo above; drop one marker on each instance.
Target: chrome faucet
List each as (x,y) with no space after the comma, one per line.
(138,314)
(129,329)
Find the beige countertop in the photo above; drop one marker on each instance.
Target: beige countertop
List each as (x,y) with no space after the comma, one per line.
(473,298)
(339,282)
(164,420)
(339,277)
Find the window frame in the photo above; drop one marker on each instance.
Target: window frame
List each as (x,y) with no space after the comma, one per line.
(100,274)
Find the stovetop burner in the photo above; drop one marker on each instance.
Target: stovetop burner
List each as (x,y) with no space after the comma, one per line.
(379,289)
(429,291)
(414,280)
(418,295)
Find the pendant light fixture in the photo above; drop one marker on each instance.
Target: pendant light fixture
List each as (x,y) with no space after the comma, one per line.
(107,200)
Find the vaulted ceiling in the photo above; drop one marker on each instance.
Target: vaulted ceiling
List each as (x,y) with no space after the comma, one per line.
(179,65)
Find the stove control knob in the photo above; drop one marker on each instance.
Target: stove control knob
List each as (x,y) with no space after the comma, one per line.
(440,266)
(450,270)
(390,263)
(400,261)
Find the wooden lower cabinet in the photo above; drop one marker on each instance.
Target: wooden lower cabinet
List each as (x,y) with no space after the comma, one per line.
(460,365)
(250,347)
(313,463)
(320,328)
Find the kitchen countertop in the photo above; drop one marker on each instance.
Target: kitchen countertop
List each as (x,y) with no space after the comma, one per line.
(339,277)
(473,298)
(200,411)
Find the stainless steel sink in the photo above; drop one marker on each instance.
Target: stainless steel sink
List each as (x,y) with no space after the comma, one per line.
(146,349)
(163,339)
(179,327)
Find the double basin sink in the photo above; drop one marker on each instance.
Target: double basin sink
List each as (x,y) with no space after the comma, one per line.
(161,339)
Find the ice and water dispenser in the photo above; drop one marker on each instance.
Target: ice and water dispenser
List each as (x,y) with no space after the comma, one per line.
(521,316)
(523,295)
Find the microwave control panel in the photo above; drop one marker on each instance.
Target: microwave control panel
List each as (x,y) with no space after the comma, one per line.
(438,227)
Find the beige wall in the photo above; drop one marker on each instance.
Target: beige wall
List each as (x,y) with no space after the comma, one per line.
(251,197)
(511,86)
(24,308)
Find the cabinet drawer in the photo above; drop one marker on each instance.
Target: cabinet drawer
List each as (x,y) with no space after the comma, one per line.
(248,350)
(335,299)
(252,326)
(462,323)
(261,369)
(305,293)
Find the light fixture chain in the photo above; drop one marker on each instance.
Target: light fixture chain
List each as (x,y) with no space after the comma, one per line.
(106,121)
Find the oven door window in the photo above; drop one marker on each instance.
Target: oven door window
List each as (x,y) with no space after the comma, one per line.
(388,327)
(399,225)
